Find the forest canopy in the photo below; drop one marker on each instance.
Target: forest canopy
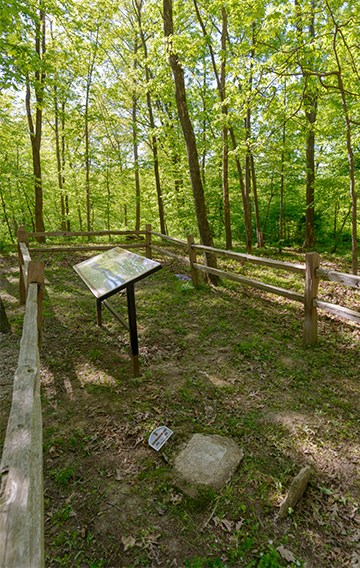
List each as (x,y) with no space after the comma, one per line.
(92,134)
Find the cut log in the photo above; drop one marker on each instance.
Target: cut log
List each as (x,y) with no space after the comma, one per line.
(296,491)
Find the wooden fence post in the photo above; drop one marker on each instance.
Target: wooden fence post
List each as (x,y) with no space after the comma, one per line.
(36,276)
(148,241)
(192,258)
(4,322)
(311,288)
(22,237)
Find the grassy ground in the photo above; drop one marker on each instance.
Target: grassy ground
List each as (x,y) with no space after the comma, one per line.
(226,360)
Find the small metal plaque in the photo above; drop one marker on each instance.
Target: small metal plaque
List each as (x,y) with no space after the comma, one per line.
(159,436)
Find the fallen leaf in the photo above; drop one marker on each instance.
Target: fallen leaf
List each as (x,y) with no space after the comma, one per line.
(228,525)
(286,554)
(119,475)
(83,532)
(128,542)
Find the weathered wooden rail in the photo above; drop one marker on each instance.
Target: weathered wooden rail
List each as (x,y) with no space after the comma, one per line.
(21,494)
(311,270)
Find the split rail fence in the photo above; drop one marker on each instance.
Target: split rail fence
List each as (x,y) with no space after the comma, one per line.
(311,270)
(21,494)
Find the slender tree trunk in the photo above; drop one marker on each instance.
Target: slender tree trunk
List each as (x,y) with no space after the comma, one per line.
(4,322)
(282,183)
(6,217)
(259,233)
(87,158)
(189,136)
(125,215)
(35,129)
(204,125)
(310,105)
(87,131)
(59,161)
(80,218)
(225,146)
(108,198)
(154,142)
(351,160)
(63,161)
(244,195)
(221,86)
(250,174)
(349,145)
(176,163)
(59,122)
(136,162)
(272,193)
(250,178)
(23,197)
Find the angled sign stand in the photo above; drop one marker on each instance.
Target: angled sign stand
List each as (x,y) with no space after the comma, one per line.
(111,272)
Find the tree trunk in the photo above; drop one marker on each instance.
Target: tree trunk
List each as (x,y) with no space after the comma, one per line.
(154,142)
(225,146)
(310,104)
(282,181)
(59,161)
(221,86)
(4,322)
(250,178)
(259,233)
(86,130)
(6,217)
(350,153)
(249,153)
(136,163)
(108,197)
(63,160)
(35,129)
(244,195)
(189,136)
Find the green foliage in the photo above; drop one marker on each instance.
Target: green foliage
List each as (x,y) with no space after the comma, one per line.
(101,58)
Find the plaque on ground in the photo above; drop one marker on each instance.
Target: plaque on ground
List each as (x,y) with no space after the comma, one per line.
(159,436)
(206,461)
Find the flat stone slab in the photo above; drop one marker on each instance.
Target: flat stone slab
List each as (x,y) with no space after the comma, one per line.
(207,460)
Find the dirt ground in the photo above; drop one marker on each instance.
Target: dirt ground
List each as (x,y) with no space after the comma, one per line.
(225,361)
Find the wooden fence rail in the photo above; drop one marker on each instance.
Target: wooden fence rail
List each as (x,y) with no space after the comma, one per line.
(21,494)
(311,270)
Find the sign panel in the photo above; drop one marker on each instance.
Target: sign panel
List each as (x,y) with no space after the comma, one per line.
(113,270)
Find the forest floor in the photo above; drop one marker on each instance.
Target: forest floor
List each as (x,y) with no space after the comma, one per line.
(224,360)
